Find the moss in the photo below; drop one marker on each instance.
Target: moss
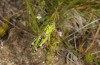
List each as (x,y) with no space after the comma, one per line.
(89,58)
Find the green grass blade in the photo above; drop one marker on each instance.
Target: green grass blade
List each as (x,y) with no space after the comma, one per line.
(32,18)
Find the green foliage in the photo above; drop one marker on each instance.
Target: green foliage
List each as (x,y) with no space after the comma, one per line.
(89,58)
(32,19)
(42,31)
(98,63)
(54,14)
(53,42)
(3,28)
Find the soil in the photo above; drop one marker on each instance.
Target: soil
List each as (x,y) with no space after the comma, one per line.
(17,50)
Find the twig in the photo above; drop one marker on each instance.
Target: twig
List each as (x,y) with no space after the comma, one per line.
(15,26)
(95,52)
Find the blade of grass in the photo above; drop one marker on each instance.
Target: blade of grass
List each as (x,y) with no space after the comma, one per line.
(91,45)
(32,17)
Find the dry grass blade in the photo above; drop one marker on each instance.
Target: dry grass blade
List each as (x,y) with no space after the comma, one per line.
(83,28)
(95,36)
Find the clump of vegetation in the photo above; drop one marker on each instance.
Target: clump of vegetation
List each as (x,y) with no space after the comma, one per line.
(89,58)
(71,18)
